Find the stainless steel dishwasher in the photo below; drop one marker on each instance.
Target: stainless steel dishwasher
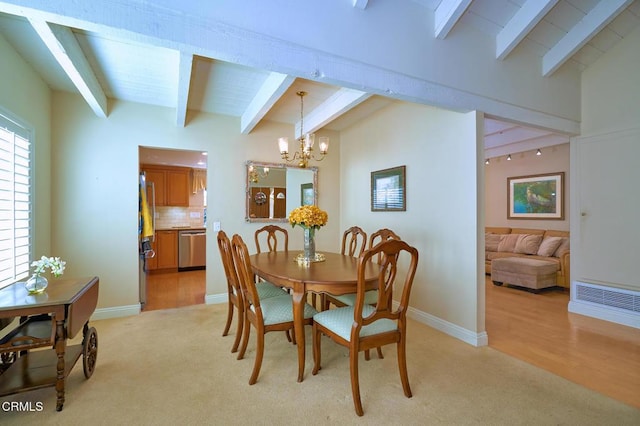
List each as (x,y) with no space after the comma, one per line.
(192,250)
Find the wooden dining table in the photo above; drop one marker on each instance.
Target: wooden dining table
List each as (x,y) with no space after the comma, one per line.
(337,274)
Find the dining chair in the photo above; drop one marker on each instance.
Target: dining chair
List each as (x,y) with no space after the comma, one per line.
(371,296)
(363,326)
(354,242)
(234,291)
(271,314)
(269,235)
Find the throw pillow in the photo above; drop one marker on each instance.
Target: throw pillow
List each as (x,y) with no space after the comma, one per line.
(549,246)
(508,242)
(491,242)
(528,244)
(563,248)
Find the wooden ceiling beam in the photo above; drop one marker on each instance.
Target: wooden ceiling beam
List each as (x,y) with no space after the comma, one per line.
(447,14)
(65,49)
(520,25)
(273,88)
(184,84)
(603,13)
(339,103)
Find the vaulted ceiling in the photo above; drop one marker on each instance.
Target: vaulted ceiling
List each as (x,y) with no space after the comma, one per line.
(101,63)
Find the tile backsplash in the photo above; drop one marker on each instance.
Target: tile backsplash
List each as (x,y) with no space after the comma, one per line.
(169,217)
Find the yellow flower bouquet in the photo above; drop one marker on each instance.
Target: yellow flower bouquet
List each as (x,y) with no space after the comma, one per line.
(310,217)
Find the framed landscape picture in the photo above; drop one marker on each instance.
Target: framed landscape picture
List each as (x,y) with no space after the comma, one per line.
(307,194)
(536,197)
(388,190)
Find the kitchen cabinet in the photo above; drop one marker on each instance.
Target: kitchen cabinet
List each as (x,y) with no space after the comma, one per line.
(171,184)
(166,248)
(157,179)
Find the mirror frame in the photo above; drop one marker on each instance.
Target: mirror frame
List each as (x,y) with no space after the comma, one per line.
(249,219)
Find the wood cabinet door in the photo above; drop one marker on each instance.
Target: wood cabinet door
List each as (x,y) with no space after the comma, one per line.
(157,177)
(177,184)
(167,249)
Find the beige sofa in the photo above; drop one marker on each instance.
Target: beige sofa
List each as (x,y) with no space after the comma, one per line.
(547,245)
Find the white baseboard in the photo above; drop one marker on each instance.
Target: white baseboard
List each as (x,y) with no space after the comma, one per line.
(214,299)
(453,330)
(630,319)
(116,312)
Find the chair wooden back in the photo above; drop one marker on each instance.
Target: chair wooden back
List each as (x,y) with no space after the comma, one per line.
(272,232)
(381,235)
(245,274)
(390,251)
(353,238)
(233,285)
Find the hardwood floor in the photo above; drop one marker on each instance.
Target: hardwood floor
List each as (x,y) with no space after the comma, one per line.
(535,328)
(175,289)
(538,329)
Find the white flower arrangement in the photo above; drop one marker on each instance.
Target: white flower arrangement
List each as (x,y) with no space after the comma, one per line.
(54,263)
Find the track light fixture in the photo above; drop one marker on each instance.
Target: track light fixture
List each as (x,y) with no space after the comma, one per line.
(538,152)
(509,157)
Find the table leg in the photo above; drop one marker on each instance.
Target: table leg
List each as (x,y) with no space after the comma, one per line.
(61,343)
(298,324)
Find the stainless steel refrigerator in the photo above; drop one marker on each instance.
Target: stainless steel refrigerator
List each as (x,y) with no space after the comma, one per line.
(146,231)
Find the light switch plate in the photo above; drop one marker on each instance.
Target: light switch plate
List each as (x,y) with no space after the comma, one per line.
(216,226)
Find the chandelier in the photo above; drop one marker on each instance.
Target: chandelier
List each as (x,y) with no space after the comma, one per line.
(255,175)
(305,152)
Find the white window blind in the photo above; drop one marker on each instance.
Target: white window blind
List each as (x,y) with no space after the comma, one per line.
(15,201)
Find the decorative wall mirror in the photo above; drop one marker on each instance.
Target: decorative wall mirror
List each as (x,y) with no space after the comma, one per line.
(273,190)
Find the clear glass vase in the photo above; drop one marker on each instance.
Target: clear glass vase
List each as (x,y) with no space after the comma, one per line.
(309,244)
(36,284)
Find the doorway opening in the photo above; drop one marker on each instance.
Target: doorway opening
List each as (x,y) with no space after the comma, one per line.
(172,227)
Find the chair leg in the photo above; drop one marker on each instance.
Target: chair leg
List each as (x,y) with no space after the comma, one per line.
(355,383)
(286,332)
(367,357)
(317,335)
(245,339)
(239,331)
(379,348)
(229,318)
(402,366)
(259,354)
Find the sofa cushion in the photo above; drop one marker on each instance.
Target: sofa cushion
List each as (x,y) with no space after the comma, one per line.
(527,244)
(508,242)
(491,242)
(563,248)
(549,246)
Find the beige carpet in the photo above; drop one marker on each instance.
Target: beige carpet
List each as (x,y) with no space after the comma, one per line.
(173,367)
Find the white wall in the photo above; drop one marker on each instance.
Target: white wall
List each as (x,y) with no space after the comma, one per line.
(439,150)
(553,160)
(24,95)
(95,202)
(606,194)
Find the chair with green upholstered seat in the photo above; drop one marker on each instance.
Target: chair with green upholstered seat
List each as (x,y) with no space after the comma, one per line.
(362,326)
(371,296)
(271,314)
(234,292)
